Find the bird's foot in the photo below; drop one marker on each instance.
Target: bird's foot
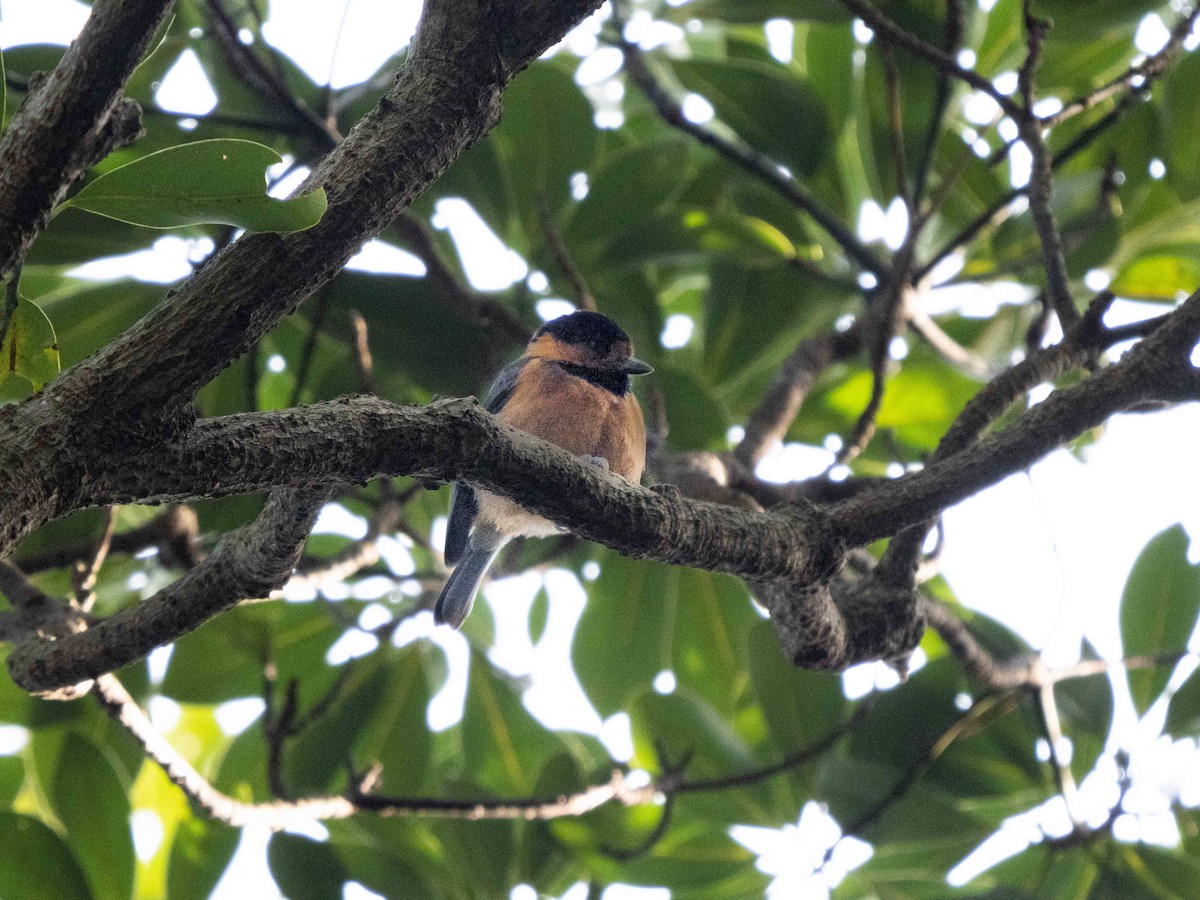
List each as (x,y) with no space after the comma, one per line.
(670,491)
(599,461)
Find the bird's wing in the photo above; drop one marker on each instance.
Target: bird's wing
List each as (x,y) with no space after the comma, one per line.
(464,505)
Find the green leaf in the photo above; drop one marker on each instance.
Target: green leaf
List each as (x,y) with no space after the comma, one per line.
(199,854)
(1183,715)
(305,869)
(1159,609)
(36,862)
(1163,278)
(800,706)
(217,181)
(766,105)
(90,800)
(755,11)
(504,747)
(28,352)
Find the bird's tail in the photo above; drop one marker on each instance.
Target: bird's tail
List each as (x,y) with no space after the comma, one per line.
(457,597)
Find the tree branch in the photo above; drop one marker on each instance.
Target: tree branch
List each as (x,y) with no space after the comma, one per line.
(71,119)
(250,562)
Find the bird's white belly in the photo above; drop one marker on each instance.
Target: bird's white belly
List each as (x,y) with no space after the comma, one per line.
(511,518)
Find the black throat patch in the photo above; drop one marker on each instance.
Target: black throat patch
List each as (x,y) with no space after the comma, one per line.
(610,379)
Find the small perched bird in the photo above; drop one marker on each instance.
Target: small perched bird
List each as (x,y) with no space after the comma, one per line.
(570,387)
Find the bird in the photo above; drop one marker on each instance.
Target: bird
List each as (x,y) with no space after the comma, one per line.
(570,387)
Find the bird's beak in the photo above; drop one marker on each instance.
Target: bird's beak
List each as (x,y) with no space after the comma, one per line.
(634,366)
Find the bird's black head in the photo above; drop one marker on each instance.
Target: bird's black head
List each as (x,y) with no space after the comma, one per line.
(587,343)
(589,332)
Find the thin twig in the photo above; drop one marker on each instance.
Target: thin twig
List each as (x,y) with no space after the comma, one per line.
(747,158)
(582,295)
(896,124)
(898,36)
(86,573)
(310,345)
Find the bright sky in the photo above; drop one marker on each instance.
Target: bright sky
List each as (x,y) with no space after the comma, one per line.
(1045,552)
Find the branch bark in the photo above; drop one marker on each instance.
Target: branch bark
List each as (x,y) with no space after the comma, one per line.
(72,119)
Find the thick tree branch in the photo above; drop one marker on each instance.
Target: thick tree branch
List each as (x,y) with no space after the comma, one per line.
(250,562)
(136,390)
(71,119)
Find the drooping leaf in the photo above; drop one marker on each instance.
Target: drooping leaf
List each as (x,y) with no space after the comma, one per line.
(199,854)
(1158,610)
(766,106)
(218,180)
(36,862)
(28,352)
(90,800)
(305,869)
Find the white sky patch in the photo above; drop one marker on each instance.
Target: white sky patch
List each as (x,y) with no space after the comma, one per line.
(352,644)
(697,110)
(164,713)
(665,682)
(276,364)
(537,281)
(793,462)
(168,261)
(677,331)
(966,59)
(599,66)
(248,870)
(553,308)
(235,716)
(352,890)
(157,662)
(341,43)
(282,189)
(979,108)
(1152,35)
(372,588)
(489,265)
(616,734)
(895,224)
(382,258)
(13,739)
(871,221)
(795,854)
(633,892)
(862,32)
(781,35)
(185,88)
(579,190)
(148,833)
(1006,82)
(1047,106)
(1097,280)
(396,556)
(41,21)
(1157,168)
(336,519)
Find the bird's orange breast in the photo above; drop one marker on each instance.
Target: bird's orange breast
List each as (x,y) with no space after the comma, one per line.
(581,417)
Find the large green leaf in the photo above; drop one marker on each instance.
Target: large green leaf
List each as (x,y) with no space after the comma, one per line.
(305,869)
(28,352)
(1159,609)
(754,11)
(90,800)
(36,862)
(1183,715)
(800,706)
(696,628)
(766,105)
(199,854)
(218,180)
(504,747)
